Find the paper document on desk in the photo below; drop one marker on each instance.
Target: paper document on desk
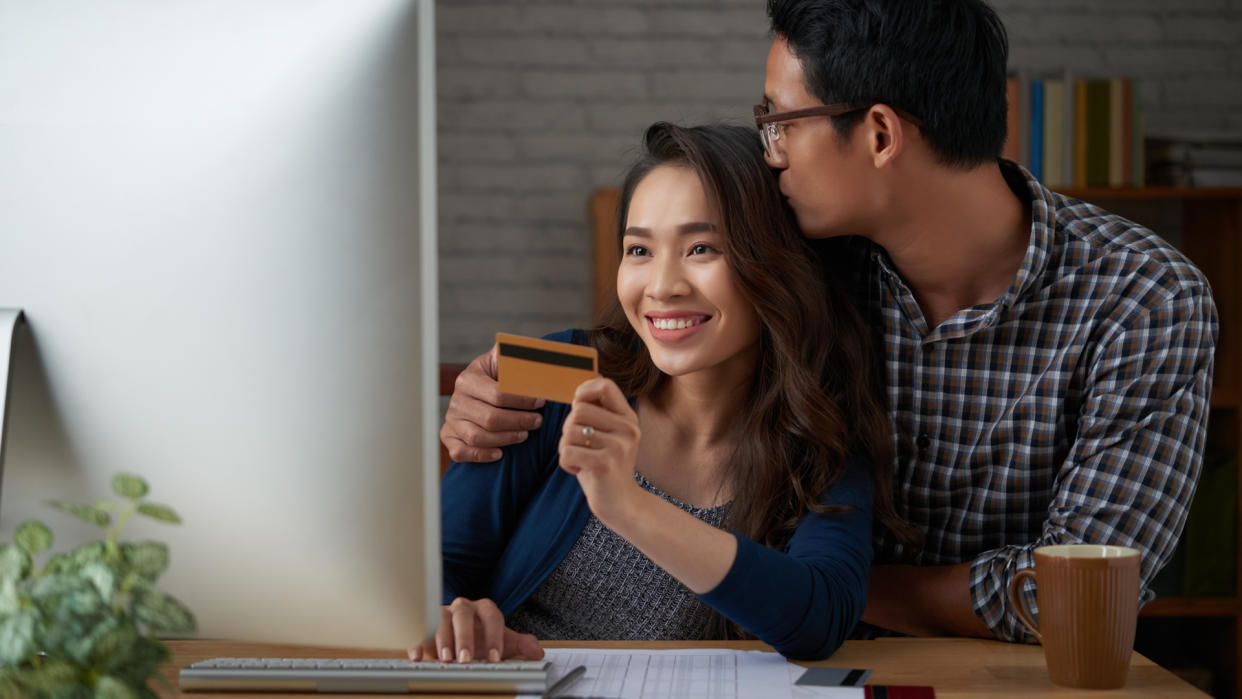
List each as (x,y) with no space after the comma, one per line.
(685,674)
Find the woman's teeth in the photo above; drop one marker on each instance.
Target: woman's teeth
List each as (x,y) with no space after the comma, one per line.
(676,323)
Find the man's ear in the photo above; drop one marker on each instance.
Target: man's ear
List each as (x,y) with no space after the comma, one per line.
(885,134)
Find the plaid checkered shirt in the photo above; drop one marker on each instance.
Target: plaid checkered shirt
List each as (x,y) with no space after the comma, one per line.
(1071,410)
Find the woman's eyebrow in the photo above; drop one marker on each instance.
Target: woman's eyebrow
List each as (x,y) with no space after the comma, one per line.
(682,229)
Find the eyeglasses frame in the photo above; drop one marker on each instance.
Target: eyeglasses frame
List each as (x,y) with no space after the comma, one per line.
(763,118)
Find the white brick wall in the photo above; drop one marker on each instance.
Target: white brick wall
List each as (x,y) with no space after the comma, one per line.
(542,101)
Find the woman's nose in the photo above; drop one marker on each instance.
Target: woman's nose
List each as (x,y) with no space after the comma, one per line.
(667,279)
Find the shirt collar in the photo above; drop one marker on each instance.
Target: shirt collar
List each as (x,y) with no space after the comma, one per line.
(1042,204)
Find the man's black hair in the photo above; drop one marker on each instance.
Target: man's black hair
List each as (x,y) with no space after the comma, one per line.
(941,60)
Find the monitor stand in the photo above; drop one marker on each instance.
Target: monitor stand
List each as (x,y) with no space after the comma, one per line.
(10,318)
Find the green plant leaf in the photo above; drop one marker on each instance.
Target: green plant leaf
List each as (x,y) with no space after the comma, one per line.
(163,513)
(101,576)
(9,688)
(147,558)
(144,657)
(9,601)
(161,612)
(15,563)
(114,645)
(127,485)
(72,561)
(54,678)
(66,595)
(17,636)
(88,513)
(113,688)
(33,537)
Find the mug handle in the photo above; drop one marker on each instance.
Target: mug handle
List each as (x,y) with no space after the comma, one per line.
(1018,600)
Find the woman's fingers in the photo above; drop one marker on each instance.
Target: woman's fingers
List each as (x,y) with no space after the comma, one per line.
(603,392)
(602,419)
(444,636)
(469,630)
(522,644)
(492,627)
(463,614)
(576,460)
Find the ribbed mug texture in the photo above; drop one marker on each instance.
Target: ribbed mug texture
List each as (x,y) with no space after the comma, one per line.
(1088,609)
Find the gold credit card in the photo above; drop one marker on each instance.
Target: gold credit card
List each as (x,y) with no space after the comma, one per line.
(527,366)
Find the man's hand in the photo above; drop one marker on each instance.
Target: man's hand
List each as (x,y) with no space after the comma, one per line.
(480,419)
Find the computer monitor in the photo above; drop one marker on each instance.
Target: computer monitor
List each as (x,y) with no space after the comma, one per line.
(219,219)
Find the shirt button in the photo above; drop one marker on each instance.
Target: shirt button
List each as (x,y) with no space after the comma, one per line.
(923,442)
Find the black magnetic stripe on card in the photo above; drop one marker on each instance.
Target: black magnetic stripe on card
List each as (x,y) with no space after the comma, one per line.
(851,680)
(531,354)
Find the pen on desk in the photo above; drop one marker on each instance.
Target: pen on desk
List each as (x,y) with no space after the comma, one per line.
(565,681)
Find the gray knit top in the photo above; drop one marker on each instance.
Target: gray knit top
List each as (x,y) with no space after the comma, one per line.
(605,589)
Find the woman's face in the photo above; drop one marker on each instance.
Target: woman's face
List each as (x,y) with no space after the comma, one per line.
(674,282)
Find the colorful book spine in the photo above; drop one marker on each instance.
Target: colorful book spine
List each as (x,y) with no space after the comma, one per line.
(1080,134)
(1098,126)
(1118,115)
(1067,126)
(1054,133)
(1138,139)
(1035,156)
(1076,132)
(1126,144)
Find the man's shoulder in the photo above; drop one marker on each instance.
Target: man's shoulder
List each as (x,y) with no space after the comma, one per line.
(1113,251)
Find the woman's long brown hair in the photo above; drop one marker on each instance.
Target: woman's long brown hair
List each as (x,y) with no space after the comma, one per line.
(816,398)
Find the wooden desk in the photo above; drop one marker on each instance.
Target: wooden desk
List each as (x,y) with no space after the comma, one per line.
(955,667)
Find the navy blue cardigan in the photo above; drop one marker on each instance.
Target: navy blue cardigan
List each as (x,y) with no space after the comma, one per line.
(507,525)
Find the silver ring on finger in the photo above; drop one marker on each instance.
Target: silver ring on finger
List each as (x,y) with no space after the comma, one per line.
(587,432)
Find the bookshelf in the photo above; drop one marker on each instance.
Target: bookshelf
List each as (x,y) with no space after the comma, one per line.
(1206,224)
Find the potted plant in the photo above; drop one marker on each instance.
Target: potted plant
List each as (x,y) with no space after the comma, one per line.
(83,624)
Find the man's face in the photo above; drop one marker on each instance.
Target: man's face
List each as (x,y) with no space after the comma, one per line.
(824,177)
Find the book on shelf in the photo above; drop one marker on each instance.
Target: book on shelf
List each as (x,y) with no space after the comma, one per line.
(1196,159)
(1074,131)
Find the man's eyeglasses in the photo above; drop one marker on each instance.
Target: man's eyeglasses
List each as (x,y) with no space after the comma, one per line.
(769,125)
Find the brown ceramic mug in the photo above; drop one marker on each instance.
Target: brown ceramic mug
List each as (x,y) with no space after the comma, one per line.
(1088,607)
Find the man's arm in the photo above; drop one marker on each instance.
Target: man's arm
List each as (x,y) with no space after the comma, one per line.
(1133,466)
(923,600)
(480,419)
(1127,480)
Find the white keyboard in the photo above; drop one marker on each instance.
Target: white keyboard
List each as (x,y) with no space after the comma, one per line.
(365,675)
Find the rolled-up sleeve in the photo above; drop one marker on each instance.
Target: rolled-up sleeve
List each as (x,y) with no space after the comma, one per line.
(1132,469)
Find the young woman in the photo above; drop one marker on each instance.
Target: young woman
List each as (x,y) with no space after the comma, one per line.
(718,479)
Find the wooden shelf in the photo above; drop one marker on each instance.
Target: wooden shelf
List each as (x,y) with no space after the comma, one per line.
(448,376)
(1092,193)
(1224,397)
(1224,607)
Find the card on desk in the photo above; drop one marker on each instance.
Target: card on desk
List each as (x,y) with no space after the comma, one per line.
(528,366)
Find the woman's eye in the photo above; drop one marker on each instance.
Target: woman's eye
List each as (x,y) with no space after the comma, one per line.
(635,251)
(702,249)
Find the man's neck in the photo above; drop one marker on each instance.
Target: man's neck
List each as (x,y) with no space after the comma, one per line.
(958,239)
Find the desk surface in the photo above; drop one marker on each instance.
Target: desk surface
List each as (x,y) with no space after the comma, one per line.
(955,667)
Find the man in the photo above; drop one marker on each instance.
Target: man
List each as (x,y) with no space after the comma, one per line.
(1048,364)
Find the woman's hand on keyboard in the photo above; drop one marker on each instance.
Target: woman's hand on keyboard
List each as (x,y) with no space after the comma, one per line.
(475,629)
